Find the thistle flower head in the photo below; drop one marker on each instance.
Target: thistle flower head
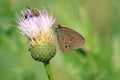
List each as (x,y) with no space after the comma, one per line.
(37,26)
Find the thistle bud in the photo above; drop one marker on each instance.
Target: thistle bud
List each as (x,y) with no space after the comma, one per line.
(37,26)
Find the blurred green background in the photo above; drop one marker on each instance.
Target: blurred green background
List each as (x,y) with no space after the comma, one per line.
(97,20)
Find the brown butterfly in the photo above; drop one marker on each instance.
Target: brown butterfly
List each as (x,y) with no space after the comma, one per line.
(68,39)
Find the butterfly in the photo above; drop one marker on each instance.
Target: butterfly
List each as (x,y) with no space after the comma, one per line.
(68,39)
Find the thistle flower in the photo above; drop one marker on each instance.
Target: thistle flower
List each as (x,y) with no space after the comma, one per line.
(37,27)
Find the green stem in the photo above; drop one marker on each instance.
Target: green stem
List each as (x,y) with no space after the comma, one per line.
(48,70)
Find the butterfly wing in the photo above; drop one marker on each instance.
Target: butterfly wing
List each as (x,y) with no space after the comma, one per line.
(68,39)
(63,42)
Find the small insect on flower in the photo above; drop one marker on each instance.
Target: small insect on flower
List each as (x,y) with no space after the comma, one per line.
(37,27)
(35,11)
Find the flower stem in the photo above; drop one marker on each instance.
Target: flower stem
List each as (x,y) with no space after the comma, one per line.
(48,70)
